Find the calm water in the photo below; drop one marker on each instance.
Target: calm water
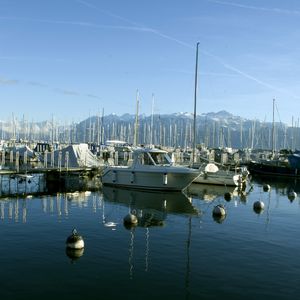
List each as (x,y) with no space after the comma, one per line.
(177,251)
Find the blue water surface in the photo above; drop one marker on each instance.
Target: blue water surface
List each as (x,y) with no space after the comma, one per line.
(178,250)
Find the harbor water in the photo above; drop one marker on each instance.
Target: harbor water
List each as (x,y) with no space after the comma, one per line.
(177,250)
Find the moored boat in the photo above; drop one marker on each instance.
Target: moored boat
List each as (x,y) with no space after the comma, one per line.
(152,169)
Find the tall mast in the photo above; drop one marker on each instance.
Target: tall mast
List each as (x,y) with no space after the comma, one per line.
(151,127)
(136,125)
(273,129)
(195,105)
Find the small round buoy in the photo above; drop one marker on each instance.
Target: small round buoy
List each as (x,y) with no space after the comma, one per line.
(292,195)
(75,241)
(258,206)
(130,219)
(266,187)
(227,196)
(219,210)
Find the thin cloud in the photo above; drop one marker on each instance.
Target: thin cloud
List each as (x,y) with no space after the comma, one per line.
(34,83)
(223,63)
(75,23)
(5,81)
(67,92)
(93,96)
(259,8)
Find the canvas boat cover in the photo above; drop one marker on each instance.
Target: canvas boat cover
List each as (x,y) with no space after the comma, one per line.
(73,156)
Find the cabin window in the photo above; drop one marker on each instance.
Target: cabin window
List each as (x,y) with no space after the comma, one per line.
(160,158)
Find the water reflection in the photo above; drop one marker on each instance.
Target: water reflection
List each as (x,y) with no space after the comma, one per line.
(74,254)
(17,208)
(150,207)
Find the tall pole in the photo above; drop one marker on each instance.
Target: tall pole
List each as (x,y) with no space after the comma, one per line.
(195,105)
(136,125)
(151,127)
(273,129)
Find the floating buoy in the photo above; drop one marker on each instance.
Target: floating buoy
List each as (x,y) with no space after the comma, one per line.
(130,219)
(266,187)
(219,210)
(292,195)
(75,241)
(258,206)
(227,196)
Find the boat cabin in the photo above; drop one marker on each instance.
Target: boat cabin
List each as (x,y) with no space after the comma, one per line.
(151,157)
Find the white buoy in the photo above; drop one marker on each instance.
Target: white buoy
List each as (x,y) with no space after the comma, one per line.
(227,196)
(75,241)
(292,195)
(130,219)
(258,206)
(266,187)
(219,211)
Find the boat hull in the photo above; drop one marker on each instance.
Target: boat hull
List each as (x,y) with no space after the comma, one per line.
(219,179)
(272,170)
(167,179)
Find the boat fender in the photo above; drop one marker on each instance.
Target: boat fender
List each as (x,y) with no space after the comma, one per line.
(132,177)
(114,176)
(165,179)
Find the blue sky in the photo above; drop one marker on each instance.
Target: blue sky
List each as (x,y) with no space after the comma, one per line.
(73,58)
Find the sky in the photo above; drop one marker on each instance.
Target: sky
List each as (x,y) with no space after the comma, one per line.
(73,59)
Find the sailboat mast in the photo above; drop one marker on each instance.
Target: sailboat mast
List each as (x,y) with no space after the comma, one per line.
(136,125)
(195,105)
(151,126)
(273,129)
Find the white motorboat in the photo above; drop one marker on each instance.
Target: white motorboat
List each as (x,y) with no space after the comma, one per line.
(152,169)
(213,175)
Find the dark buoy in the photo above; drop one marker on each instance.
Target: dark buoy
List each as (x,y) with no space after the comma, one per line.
(219,210)
(130,221)
(292,195)
(219,213)
(258,206)
(227,196)
(75,241)
(266,187)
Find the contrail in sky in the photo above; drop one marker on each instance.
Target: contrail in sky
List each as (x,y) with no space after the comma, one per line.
(84,24)
(272,10)
(224,64)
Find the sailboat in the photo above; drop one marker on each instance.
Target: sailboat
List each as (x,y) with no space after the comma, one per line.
(282,163)
(210,173)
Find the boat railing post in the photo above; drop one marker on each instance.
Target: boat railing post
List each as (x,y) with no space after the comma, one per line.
(17,161)
(52,159)
(3,158)
(59,160)
(45,159)
(11,157)
(67,160)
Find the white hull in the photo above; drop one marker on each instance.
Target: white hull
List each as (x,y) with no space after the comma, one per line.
(223,178)
(150,177)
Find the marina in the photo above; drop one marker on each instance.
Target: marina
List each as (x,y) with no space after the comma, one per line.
(149,150)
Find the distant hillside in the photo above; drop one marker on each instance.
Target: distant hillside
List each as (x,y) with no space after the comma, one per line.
(214,129)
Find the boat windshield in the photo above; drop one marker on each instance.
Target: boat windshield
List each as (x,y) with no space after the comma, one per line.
(160,158)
